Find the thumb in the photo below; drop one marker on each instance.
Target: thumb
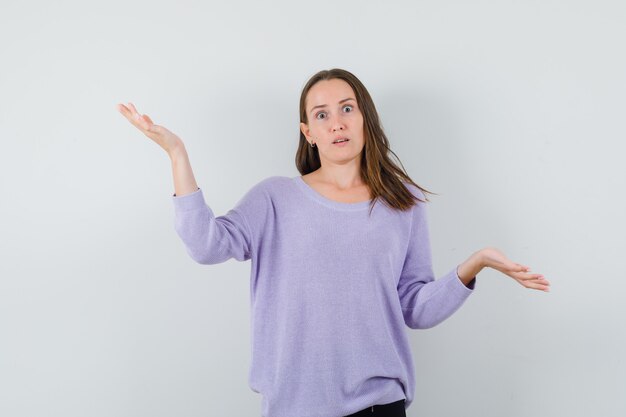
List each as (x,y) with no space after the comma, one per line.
(521,268)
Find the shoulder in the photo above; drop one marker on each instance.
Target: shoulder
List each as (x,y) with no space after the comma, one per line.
(275,180)
(273,184)
(270,186)
(270,182)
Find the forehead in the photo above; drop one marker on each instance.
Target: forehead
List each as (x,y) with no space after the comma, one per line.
(329,92)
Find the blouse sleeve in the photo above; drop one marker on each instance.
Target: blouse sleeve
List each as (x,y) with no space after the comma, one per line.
(211,239)
(425,301)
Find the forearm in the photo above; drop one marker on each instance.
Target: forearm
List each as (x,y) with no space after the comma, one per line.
(184,180)
(468,270)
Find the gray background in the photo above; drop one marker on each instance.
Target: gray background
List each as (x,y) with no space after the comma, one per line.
(513,111)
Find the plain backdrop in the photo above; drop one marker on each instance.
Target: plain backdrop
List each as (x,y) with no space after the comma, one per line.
(512,111)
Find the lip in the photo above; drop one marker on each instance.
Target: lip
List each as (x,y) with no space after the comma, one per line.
(341,143)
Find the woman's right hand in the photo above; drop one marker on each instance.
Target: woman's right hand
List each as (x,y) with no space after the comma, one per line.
(163,137)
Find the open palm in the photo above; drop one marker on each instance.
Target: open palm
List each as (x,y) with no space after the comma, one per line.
(495,259)
(162,136)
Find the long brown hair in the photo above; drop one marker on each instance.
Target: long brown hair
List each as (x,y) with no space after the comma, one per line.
(382,175)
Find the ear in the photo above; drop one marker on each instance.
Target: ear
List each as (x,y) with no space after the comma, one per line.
(304,128)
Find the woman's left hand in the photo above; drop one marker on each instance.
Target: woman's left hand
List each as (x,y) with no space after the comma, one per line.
(495,259)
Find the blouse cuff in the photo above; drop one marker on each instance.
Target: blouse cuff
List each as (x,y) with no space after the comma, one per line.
(191,201)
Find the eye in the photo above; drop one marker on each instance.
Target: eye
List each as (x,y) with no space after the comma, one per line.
(324,113)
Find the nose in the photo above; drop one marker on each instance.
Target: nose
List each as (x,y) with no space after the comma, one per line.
(338,125)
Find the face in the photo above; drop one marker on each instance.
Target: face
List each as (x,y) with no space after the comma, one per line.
(332,112)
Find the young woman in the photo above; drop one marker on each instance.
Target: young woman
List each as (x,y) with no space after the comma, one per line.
(340,260)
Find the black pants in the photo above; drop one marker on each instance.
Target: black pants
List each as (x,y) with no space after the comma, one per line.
(395,409)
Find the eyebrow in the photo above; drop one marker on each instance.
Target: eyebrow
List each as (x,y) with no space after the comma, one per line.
(324,105)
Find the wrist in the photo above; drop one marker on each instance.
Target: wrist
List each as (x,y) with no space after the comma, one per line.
(468,270)
(480,259)
(177,151)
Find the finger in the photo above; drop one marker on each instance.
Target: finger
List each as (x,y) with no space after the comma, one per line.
(147,123)
(535,285)
(509,267)
(144,123)
(528,277)
(542,280)
(124,110)
(132,108)
(132,118)
(134,114)
(537,276)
